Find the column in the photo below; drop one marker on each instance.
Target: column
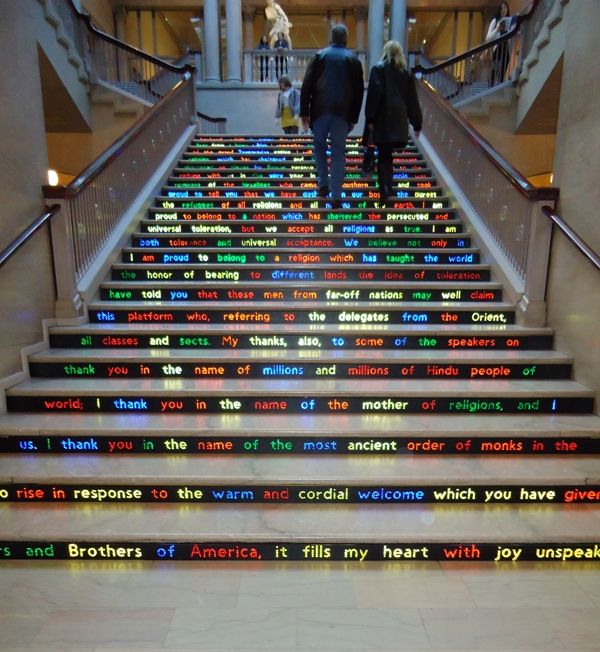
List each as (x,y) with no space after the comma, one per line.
(376,18)
(398,23)
(211,47)
(360,19)
(233,31)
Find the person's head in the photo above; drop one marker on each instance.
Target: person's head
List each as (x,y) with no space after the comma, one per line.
(339,35)
(285,83)
(393,53)
(281,36)
(503,10)
(264,40)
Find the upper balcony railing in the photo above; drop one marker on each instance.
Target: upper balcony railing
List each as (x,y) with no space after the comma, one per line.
(490,64)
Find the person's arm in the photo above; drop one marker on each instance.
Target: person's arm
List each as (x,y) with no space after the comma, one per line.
(413,107)
(306,92)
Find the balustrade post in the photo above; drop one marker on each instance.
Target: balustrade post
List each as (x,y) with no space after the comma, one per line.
(248,57)
(532,305)
(68,300)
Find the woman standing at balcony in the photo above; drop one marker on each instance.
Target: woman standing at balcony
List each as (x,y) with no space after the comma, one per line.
(264,58)
(392,103)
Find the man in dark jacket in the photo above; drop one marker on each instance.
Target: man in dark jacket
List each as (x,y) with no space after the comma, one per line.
(330,102)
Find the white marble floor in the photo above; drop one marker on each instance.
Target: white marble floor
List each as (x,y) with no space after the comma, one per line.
(223,607)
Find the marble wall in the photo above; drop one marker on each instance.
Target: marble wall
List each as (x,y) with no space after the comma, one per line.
(26,287)
(249,111)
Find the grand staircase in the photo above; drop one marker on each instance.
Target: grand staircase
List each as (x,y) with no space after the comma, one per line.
(263,377)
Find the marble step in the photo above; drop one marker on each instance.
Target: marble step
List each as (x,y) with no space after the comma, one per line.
(281,148)
(418,524)
(421,234)
(462,337)
(355,181)
(446,239)
(243,312)
(476,358)
(305,171)
(329,427)
(91,364)
(262,138)
(215,195)
(217,154)
(263,149)
(246,151)
(394,261)
(160,264)
(448,471)
(297,387)
(340,292)
(269,209)
(367,235)
(176,395)
(193,151)
(418,184)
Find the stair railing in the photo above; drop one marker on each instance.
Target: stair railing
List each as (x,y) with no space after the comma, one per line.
(573,237)
(502,206)
(490,64)
(115,62)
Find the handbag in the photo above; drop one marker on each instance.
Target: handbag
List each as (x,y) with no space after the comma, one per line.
(368,162)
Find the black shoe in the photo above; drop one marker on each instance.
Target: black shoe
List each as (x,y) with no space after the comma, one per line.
(323,191)
(336,204)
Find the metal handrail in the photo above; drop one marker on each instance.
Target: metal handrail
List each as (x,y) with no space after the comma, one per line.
(210,118)
(27,233)
(579,243)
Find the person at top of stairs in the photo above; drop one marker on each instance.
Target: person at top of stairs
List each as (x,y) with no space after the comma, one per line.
(392,103)
(330,101)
